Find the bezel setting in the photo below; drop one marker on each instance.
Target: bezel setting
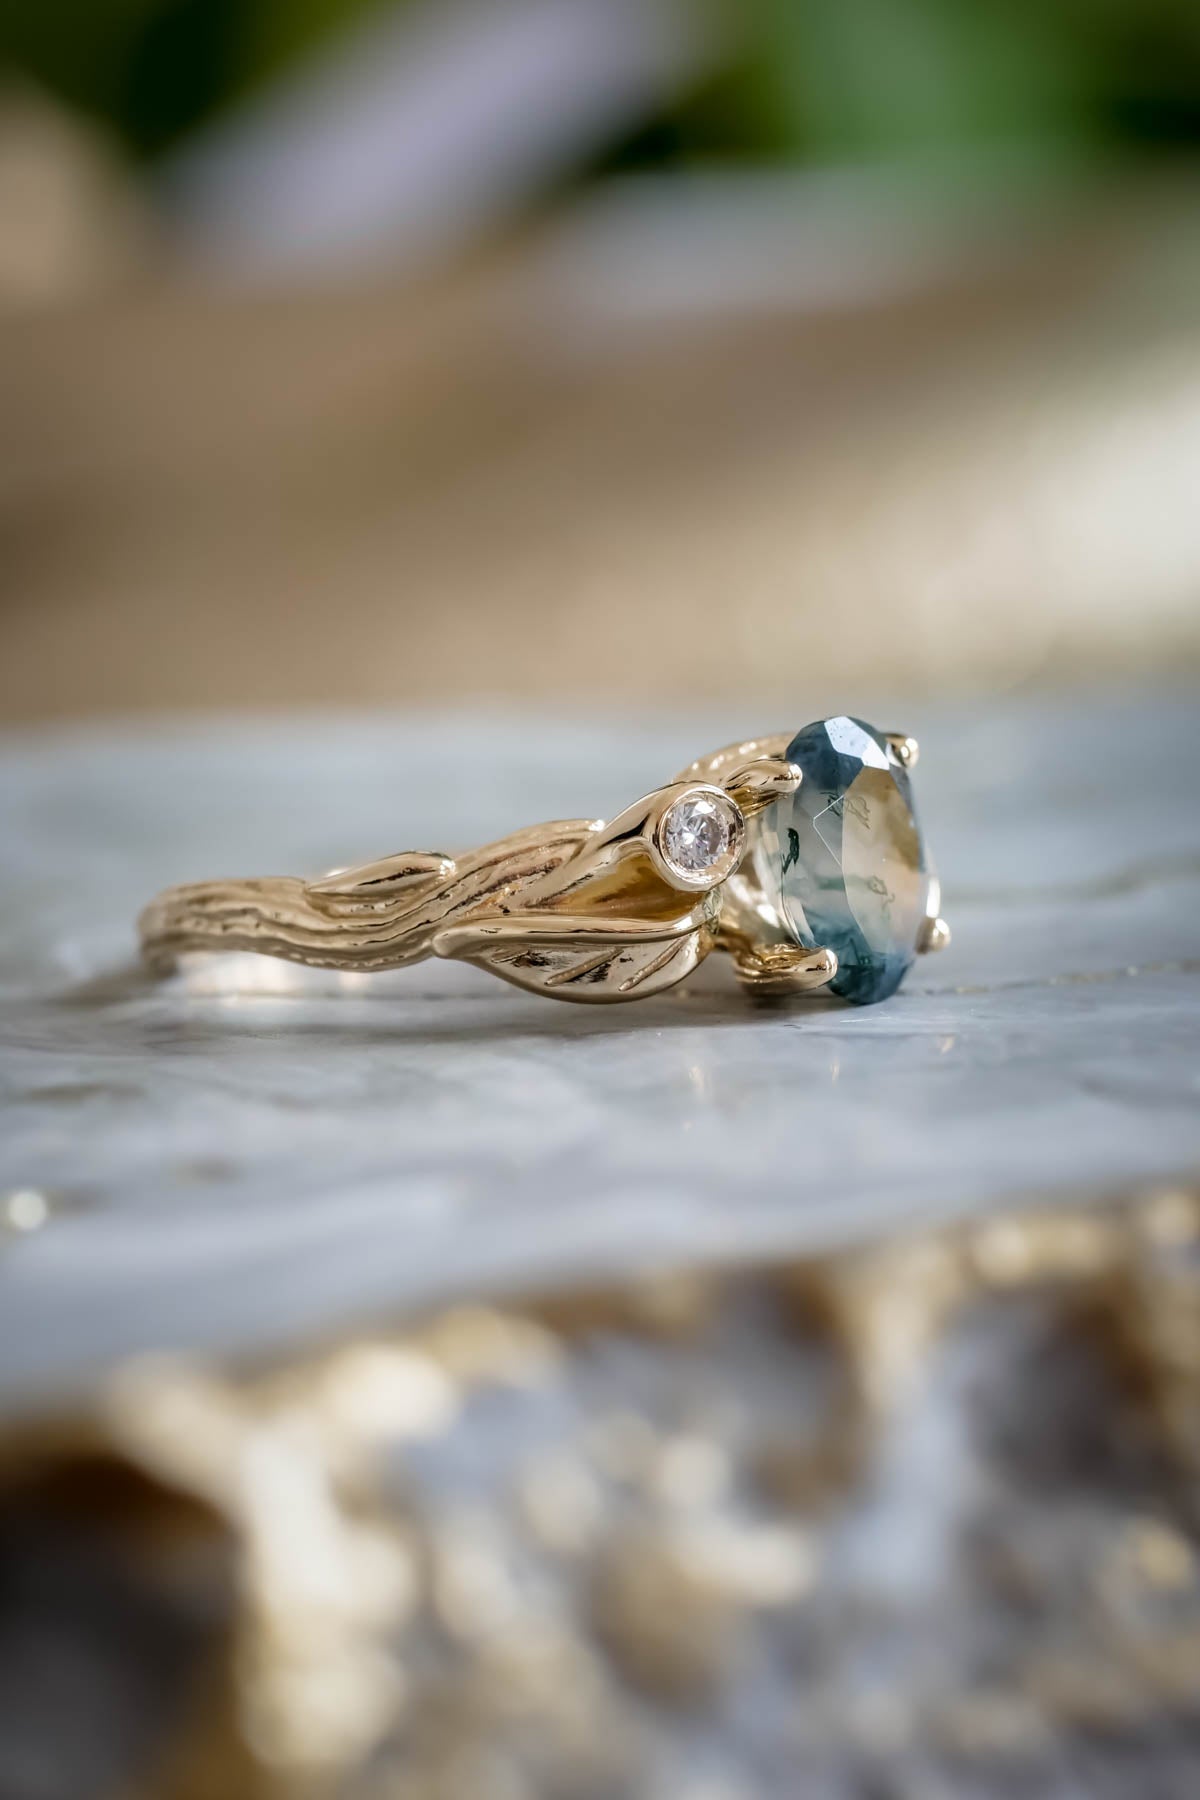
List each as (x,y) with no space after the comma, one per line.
(698,809)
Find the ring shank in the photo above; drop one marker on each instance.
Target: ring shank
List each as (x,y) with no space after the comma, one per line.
(274,916)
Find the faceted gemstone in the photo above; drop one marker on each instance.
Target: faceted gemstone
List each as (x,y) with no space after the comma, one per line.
(697,832)
(845,859)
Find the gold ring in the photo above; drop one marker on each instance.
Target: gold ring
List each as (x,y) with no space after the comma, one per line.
(799,855)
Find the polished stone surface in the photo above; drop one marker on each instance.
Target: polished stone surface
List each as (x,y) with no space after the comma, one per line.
(250,1156)
(847,857)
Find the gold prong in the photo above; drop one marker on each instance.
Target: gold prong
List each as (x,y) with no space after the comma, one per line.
(775,970)
(935,935)
(905,749)
(754,785)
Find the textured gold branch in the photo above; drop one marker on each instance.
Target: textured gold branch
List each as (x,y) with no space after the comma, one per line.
(575,909)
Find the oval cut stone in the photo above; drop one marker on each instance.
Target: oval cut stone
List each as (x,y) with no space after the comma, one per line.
(850,860)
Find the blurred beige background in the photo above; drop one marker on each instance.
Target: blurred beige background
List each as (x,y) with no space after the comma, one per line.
(615,429)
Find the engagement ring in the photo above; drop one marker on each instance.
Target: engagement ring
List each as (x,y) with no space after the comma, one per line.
(799,856)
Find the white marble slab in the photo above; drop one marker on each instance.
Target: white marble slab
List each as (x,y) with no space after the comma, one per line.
(228,1167)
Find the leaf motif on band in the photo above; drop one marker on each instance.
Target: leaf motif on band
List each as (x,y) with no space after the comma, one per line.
(585,973)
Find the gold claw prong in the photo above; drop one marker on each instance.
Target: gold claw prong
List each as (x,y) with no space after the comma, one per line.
(755,784)
(935,935)
(905,749)
(776,970)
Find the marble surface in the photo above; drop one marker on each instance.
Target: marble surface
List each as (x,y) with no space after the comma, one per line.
(248,1157)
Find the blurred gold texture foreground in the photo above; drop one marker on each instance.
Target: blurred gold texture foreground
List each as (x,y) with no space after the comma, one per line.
(921,1515)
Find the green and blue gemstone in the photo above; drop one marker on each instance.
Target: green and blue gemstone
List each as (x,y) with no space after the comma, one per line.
(843,859)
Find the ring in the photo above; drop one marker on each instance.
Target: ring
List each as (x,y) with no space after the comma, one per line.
(800,856)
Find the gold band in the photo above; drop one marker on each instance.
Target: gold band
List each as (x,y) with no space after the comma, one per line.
(577,910)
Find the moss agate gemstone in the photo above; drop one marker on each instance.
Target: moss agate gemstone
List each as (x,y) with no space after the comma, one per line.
(848,857)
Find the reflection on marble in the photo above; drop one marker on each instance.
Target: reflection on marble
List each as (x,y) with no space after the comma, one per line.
(247,1155)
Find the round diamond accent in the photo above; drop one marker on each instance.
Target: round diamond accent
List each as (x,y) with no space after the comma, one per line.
(698,833)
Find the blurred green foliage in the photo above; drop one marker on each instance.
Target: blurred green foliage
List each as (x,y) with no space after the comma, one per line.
(819,79)
(153,69)
(853,80)
(842,78)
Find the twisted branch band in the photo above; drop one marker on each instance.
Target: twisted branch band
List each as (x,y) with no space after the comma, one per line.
(577,910)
